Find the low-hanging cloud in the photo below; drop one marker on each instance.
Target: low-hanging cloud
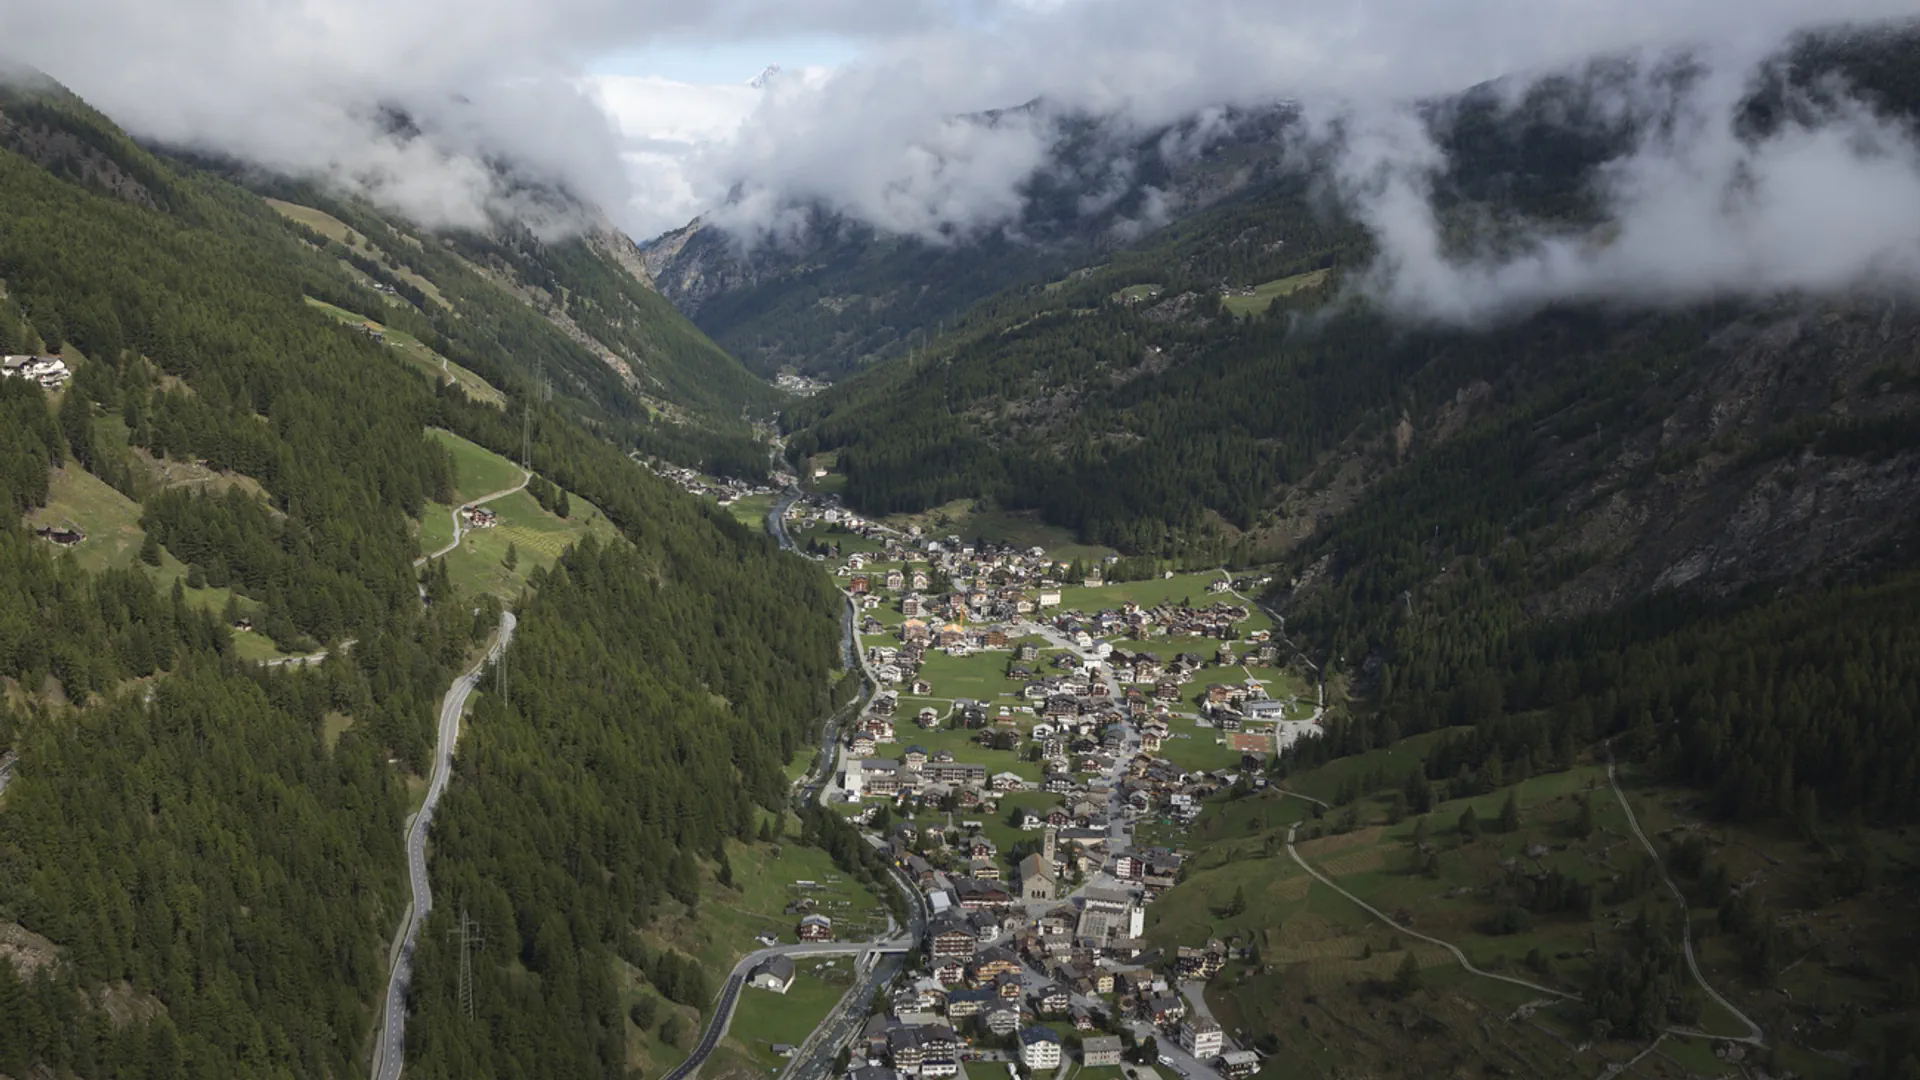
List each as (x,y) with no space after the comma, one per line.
(500,91)
(1699,207)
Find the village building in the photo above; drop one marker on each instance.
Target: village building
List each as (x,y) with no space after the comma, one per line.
(1201,1037)
(1100,1051)
(774,973)
(1039,1048)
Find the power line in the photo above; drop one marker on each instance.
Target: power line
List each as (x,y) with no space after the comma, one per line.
(470,938)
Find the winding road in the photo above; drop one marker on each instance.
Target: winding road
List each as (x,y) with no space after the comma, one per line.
(1754,1036)
(458,531)
(390,1049)
(1383,917)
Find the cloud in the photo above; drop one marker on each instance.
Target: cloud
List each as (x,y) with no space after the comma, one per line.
(896,138)
(1698,207)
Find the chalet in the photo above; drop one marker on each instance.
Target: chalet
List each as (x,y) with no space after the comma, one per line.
(1200,963)
(994,963)
(911,606)
(50,372)
(915,758)
(816,928)
(860,585)
(1164,1009)
(1053,1000)
(975,895)
(952,972)
(896,580)
(1005,1020)
(951,938)
(61,535)
(964,1003)
(775,974)
(1006,781)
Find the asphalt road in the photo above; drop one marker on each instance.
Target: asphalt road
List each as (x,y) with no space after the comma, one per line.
(730,994)
(390,1050)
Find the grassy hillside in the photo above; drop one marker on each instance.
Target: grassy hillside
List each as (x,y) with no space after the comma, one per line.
(514,310)
(430,363)
(477,471)
(1558,900)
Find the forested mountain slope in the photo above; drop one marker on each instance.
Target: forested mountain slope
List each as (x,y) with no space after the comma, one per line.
(836,295)
(200,862)
(1211,391)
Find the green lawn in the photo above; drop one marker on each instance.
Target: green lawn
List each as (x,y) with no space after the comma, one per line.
(982,676)
(958,740)
(110,520)
(1200,751)
(1136,293)
(112,524)
(1023,530)
(477,471)
(1005,836)
(848,540)
(751,510)
(334,229)
(318,220)
(478,565)
(1264,294)
(764,1018)
(436,527)
(1146,593)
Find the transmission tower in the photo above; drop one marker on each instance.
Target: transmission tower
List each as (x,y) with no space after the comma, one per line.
(470,938)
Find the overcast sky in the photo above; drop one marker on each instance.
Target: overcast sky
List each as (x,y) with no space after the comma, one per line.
(644,105)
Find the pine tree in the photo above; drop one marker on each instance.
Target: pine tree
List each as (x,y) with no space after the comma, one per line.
(1469,826)
(1510,813)
(150,550)
(1406,979)
(512,559)
(1583,821)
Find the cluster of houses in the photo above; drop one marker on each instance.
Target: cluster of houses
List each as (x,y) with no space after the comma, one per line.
(1045,938)
(50,372)
(799,385)
(996,969)
(726,491)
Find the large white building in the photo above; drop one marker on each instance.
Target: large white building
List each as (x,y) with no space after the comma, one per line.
(1039,1048)
(1201,1037)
